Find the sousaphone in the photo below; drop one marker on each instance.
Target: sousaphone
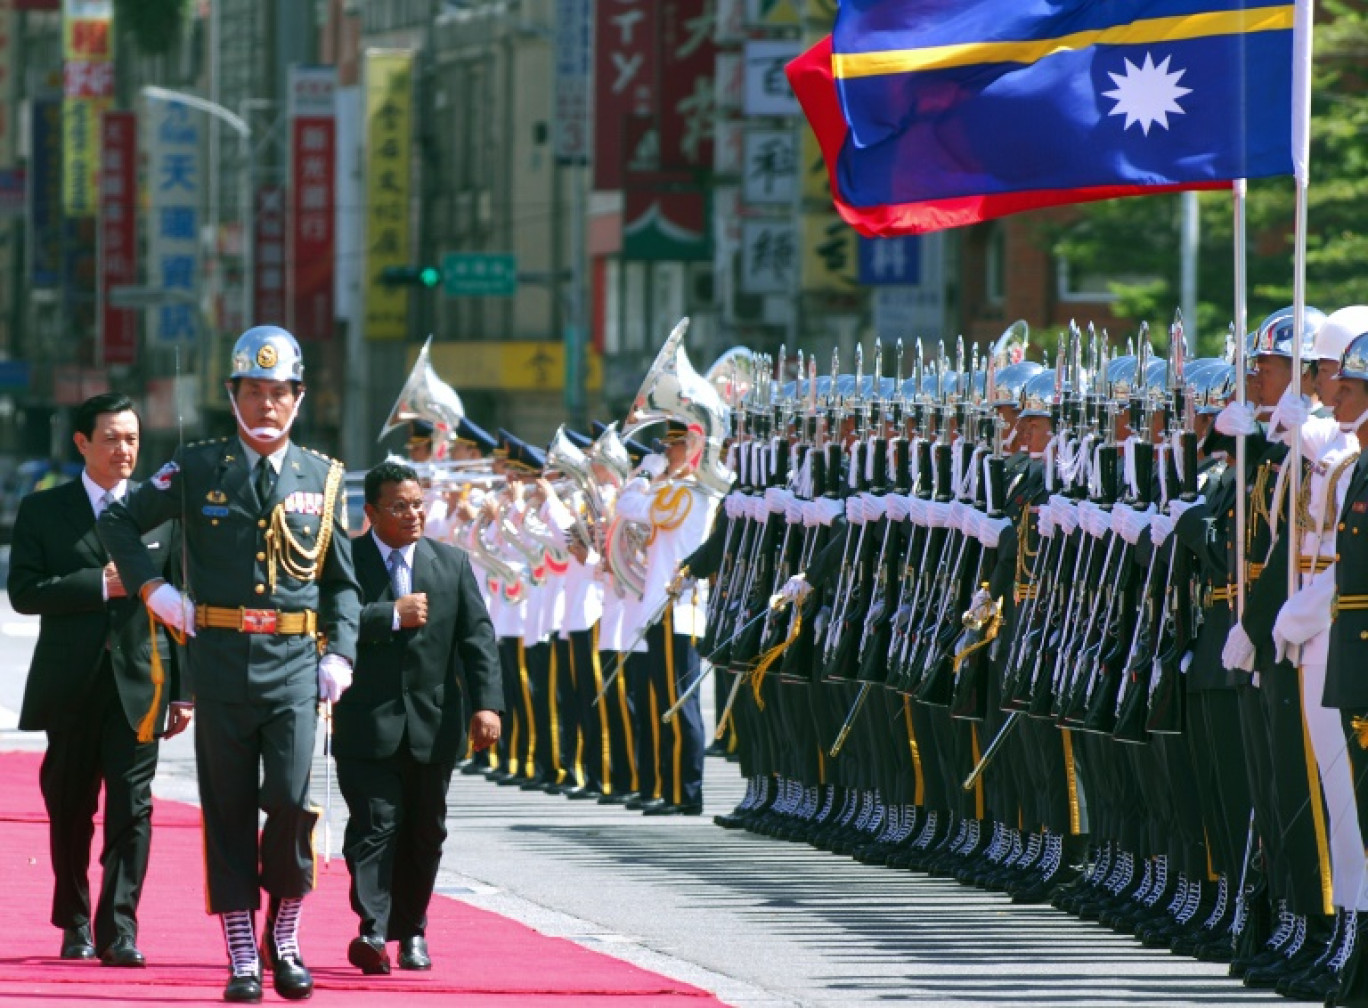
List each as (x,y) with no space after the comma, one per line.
(426,397)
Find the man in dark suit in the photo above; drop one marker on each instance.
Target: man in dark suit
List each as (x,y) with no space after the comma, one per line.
(426,641)
(93,685)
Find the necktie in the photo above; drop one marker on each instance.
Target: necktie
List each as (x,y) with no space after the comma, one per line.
(105,501)
(399,574)
(265,480)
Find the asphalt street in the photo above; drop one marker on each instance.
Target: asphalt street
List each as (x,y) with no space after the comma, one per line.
(755,920)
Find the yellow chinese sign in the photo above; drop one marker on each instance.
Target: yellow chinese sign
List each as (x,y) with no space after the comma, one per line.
(389,115)
(521,365)
(87,90)
(830,254)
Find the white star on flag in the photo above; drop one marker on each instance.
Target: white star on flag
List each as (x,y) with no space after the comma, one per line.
(1146,94)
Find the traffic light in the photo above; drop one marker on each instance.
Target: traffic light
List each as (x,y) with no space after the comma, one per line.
(411,276)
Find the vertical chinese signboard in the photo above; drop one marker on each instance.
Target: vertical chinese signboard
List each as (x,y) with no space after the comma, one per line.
(313,148)
(389,114)
(687,107)
(87,90)
(572,50)
(268,293)
(118,234)
(625,66)
(173,185)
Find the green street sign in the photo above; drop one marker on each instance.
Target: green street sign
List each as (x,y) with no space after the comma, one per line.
(479,274)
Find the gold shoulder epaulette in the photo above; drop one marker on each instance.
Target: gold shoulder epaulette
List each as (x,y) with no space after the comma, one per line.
(326,458)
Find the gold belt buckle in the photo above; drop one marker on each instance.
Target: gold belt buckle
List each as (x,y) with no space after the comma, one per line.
(263,621)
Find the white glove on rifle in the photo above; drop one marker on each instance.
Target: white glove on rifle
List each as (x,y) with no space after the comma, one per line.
(1177,508)
(990,530)
(1161,527)
(334,676)
(796,589)
(173,608)
(1236,419)
(1290,414)
(1305,614)
(1238,652)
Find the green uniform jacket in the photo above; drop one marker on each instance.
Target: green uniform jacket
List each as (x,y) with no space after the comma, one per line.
(228,545)
(1346,682)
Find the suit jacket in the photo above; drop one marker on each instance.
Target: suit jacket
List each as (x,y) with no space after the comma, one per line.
(234,550)
(412,680)
(56,572)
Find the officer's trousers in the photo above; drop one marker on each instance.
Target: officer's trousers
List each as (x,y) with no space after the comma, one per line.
(250,757)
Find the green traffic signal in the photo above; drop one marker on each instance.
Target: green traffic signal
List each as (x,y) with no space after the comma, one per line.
(411,276)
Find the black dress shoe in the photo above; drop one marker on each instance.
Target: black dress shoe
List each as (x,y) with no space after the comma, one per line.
(289,976)
(413,953)
(368,954)
(621,798)
(532,783)
(659,807)
(644,807)
(244,988)
(583,794)
(636,802)
(122,952)
(76,943)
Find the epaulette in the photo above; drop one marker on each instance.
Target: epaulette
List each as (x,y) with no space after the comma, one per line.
(318,454)
(205,441)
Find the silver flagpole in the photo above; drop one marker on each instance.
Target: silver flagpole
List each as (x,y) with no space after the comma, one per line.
(1303,19)
(1239,191)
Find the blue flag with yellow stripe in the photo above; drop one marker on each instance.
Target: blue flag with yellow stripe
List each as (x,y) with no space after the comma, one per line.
(980,97)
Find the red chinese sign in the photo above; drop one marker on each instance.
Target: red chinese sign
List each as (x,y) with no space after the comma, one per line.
(118,234)
(313,149)
(626,65)
(687,64)
(268,285)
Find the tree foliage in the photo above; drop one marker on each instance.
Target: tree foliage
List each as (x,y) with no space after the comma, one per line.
(1139,237)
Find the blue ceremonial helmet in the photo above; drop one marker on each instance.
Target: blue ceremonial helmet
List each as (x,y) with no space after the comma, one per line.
(267,352)
(1274,335)
(1354,363)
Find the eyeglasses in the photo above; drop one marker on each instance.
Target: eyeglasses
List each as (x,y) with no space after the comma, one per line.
(400,508)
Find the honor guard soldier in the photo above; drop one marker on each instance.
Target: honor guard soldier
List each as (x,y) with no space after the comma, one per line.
(270,588)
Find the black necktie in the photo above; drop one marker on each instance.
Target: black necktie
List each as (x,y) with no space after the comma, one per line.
(265,480)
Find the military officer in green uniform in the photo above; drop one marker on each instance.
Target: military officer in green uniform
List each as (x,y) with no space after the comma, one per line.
(272,605)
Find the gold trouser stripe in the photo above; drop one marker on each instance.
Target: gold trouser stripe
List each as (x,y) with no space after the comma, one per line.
(919,790)
(557,771)
(978,784)
(1317,809)
(671,692)
(524,680)
(821,767)
(653,706)
(1071,777)
(601,712)
(578,768)
(1212,874)
(627,732)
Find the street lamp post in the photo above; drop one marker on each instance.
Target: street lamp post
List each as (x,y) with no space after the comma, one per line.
(239,126)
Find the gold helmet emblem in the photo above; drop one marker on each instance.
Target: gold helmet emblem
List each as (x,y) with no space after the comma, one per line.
(266,356)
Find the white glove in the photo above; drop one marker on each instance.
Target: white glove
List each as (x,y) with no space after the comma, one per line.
(1238,652)
(916,511)
(793,511)
(1120,514)
(653,464)
(1178,507)
(937,514)
(733,505)
(896,507)
(173,608)
(1236,419)
(874,507)
(854,509)
(1305,614)
(641,485)
(334,676)
(1291,413)
(777,498)
(989,530)
(1161,526)
(1045,524)
(796,589)
(1065,515)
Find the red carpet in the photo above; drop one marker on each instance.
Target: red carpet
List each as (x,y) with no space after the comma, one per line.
(480,957)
